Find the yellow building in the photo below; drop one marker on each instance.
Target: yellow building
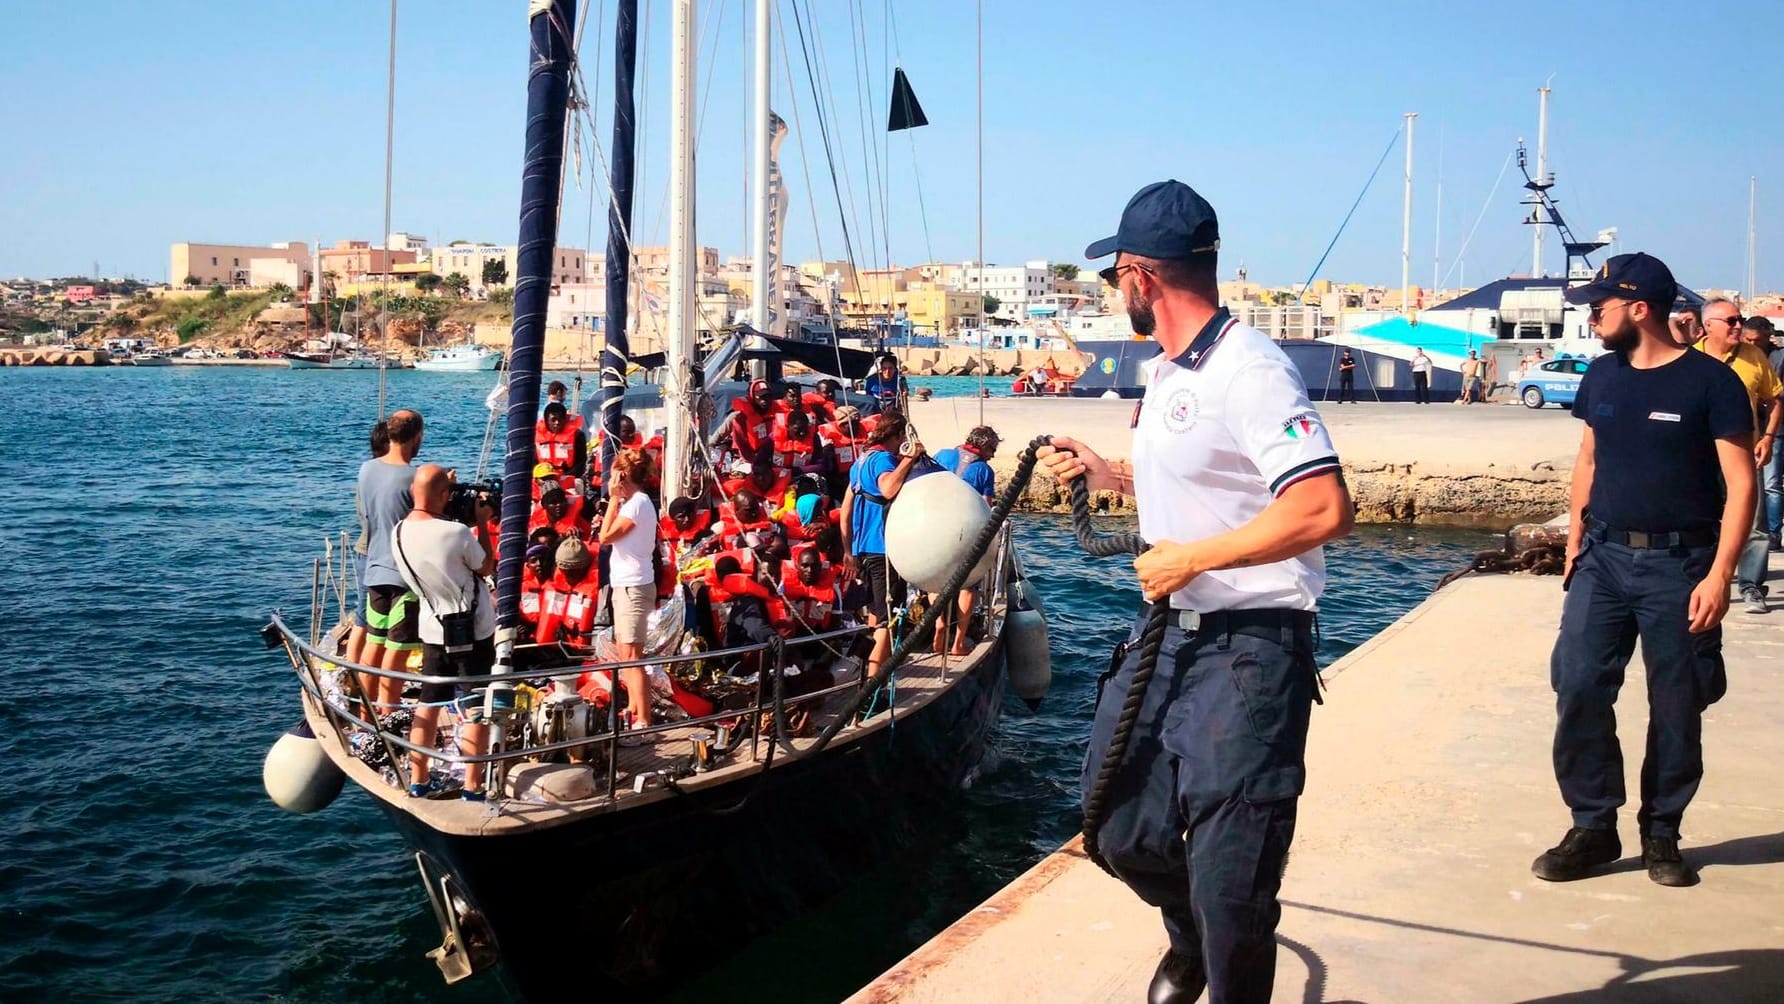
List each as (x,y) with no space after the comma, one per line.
(228,264)
(939,310)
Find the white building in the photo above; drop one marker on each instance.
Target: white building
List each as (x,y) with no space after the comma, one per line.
(400,241)
(1013,286)
(568,265)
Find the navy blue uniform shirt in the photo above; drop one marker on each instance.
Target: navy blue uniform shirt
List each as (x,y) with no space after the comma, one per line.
(1655,432)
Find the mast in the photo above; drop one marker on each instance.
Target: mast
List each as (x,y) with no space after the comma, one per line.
(1542,177)
(678,390)
(1406,225)
(1752,237)
(550,28)
(616,346)
(760,309)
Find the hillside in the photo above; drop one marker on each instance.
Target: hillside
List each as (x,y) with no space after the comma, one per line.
(273,320)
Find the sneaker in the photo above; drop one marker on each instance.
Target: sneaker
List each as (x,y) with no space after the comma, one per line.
(1754,599)
(1774,542)
(1179,979)
(1579,854)
(1665,866)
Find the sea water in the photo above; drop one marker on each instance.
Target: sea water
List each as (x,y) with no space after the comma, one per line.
(155,517)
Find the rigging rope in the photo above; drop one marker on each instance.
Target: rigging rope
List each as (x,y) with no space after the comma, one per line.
(811,202)
(389,159)
(1488,204)
(979,147)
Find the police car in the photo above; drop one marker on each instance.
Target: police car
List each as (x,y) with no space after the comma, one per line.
(1554,382)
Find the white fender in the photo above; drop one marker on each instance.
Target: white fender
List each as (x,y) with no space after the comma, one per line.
(1028,658)
(930,528)
(299,777)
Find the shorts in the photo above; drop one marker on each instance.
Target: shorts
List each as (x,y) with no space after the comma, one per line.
(631,612)
(885,585)
(392,618)
(436,662)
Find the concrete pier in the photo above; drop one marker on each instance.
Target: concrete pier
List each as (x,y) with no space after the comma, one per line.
(1440,464)
(1429,793)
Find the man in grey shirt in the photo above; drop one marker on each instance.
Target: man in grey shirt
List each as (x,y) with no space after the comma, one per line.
(390,613)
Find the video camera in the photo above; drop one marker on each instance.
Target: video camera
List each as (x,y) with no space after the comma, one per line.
(461,503)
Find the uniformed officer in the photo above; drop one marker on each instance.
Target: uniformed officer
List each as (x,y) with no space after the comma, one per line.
(1238,487)
(1663,492)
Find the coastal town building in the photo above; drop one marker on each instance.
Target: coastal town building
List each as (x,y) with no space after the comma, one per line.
(351,261)
(468,258)
(196,265)
(400,241)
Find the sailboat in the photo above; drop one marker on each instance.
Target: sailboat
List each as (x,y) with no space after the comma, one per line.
(637,864)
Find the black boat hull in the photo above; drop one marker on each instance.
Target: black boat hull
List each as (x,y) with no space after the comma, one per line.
(636,901)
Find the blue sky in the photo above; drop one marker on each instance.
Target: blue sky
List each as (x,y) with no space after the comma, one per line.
(139,124)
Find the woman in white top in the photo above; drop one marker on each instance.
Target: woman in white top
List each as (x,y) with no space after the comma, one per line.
(630,526)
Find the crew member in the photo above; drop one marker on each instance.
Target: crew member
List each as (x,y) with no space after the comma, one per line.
(1238,487)
(1724,338)
(1651,546)
(875,481)
(444,562)
(886,385)
(629,531)
(971,461)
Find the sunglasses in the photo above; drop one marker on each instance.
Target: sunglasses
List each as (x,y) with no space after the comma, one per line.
(1112,274)
(1597,309)
(1733,322)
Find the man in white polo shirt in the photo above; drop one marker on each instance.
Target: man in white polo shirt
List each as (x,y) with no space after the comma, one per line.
(1238,487)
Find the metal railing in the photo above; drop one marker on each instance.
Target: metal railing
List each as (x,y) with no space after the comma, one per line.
(310,663)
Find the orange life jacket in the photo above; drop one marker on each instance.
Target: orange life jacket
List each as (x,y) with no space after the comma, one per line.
(849,444)
(566,612)
(572,519)
(791,454)
(810,607)
(758,426)
(557,448)
(820,409)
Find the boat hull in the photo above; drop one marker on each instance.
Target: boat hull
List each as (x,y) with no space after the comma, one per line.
(462,363)
(640,899)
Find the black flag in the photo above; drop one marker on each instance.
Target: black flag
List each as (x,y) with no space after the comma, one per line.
(906,112)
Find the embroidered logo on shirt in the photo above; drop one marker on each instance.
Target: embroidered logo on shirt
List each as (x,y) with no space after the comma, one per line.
(1300,426)
(1662,416)
(1181,410)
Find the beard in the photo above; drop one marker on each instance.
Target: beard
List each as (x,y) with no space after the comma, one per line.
(1142,318)
(1623,336)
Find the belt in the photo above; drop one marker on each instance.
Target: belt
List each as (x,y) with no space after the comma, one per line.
(1643,540)
(1241,621)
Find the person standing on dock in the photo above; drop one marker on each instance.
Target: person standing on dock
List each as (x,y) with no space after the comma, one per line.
(1421,377)
(1472,368)
(1724,338)
(1347,378)
(1238,487)
(1651,547)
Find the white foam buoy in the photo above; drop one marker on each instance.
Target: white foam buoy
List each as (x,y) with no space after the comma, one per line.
(1028,657)
(299,777)
(930,529)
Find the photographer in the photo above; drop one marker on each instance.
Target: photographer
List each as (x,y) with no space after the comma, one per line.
(443,561)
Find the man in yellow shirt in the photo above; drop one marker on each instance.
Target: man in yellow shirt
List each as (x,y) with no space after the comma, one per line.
(1722,339)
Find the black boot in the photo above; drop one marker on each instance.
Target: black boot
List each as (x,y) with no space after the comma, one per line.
(1179,979)
(1665,865)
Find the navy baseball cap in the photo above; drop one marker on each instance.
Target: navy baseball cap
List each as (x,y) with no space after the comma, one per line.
(1166,219)
(1638,276)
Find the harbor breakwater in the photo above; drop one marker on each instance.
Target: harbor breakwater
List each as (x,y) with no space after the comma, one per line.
(1473,466)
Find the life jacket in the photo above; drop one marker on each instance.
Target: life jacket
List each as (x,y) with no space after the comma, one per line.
(531,589)
(566,612)
(818,407)
(673,543)
(635,443)
(757,427)
(730,527)
(572,519)
(810,607)
(792,454)
(770,497)
(557,448)
(848,445)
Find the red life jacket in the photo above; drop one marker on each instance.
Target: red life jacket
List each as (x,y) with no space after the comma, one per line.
(573,506)
(635,443)
(566,612)
(820,410)
(814,605)
(757,426)
(849,447)
(770,498)
(673,543)
(557,448)
(791,454)
(730,527)
(530,591)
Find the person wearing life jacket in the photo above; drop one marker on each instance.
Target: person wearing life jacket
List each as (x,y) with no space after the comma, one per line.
(569,599)
(821,403)
(808,594)
(563,512)
(846,438)
(540,567)
(558,440)
(752,425)
(680,534)
(798,449)
(749,509)
(971,461)
(629,439)
(874,482)
(886,386)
